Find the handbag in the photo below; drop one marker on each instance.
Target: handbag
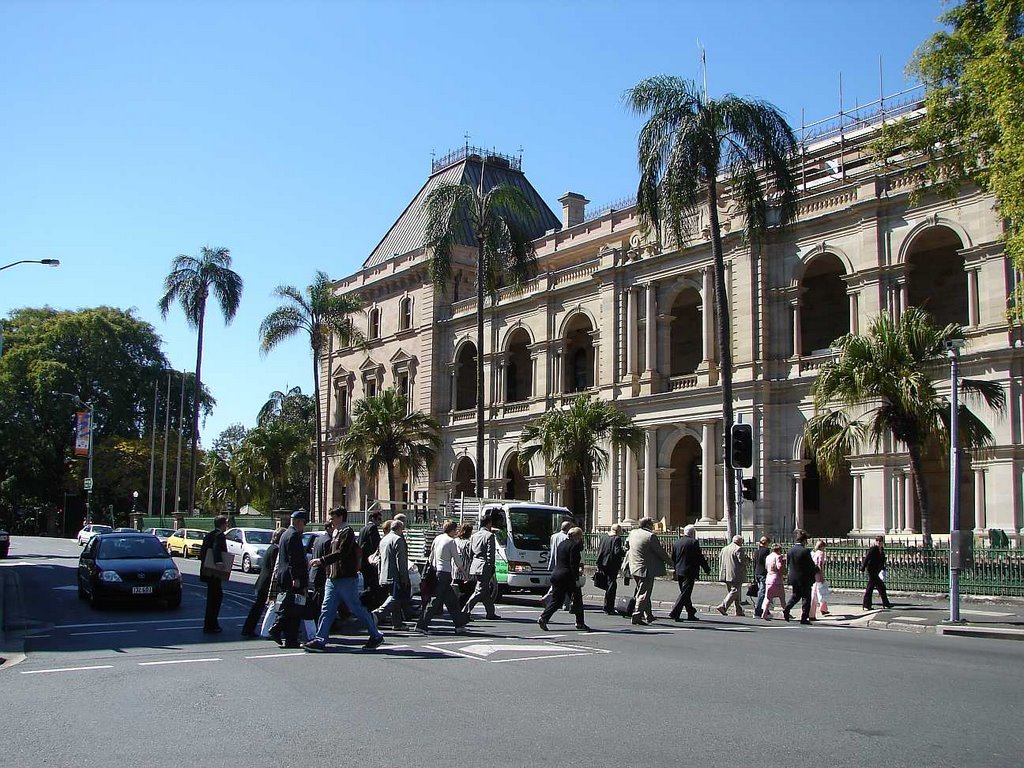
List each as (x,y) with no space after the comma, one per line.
(600,579)
(374,559)
(210,568)
(824,591)
(752,589)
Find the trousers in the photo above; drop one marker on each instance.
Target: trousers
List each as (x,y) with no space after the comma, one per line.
(732,595)
(214,598)
(249,627)
(644,589)
(685,599)
(761,590)
(483,592)
(345,590)
(559,594)
(609,594)
(444,598)
(875,583)
(800,592)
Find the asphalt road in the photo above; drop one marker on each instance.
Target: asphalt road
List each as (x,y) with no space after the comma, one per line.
(143,687)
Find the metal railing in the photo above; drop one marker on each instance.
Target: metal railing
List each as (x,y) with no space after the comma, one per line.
(997,571)
(466,151)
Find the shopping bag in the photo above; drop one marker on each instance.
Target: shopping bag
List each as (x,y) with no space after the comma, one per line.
(212,569)
(824,591)
(268,620)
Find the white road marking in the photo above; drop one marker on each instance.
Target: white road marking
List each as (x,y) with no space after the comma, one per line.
(69,588)
(278,655)
(487,649)
(36,637)
(912,618)
(175,629)
(66,669)
(104,632)
(174,661)
(552,656)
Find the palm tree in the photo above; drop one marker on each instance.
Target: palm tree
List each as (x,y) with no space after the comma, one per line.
(881,383)
(320,313)
(271,455)
(496,220)
(570,442)
(291,405)
(190,282)
(385,435)
(691,151)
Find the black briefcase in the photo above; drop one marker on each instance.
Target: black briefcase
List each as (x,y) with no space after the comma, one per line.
(625,606)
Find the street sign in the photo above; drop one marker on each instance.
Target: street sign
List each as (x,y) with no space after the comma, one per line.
(87,484)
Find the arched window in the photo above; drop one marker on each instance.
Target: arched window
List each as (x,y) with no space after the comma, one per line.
(405,314)
(579,355)
(685,334)
(936,279)
(374,329)
(465,377)
(518,380)
(824,305)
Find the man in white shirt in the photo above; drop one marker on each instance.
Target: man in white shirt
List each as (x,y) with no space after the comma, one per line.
(444,552)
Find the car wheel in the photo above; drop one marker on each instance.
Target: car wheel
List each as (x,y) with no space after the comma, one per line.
(246,564)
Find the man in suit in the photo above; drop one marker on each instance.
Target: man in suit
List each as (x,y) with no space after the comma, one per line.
(394,572)
(369,540)
(688,560)
(647,560)
(565,579)
(557,538)
(873,565)
(267,563)
(214,542)
(609,562)
(484,550)
(292,579)
(732,571)
(802,570)
(761,572)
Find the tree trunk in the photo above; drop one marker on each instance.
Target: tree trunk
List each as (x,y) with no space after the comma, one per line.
(480,369)
(917,469)
(724,351)
(319,502)
(587,484)
(195,412)
(391,488)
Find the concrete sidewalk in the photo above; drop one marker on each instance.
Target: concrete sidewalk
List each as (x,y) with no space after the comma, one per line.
(994,618)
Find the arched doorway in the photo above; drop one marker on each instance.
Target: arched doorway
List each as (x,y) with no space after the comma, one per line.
(465,377)
(579,355)
(685,334)
(339,490)
(827,503)
(516,486)
(685,483)
(464,478)
(519,369)
(936,280)
(824,306)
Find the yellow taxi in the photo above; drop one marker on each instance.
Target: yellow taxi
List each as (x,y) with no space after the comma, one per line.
(185,542)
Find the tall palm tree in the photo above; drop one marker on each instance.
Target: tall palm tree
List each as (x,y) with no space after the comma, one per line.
(692,150)
(291,405)
(320,313)
(880,383)
(570,442)
(385,435)
(496,219)
(190,282)
(271,455)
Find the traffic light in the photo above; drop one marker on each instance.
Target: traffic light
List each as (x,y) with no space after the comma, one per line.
(741,446)
(750,488)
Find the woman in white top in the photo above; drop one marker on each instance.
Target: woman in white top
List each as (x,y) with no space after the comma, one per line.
(445,558)
(820,590)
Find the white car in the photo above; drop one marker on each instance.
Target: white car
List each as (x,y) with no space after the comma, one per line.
(92,530)
(161,533)
(248,546)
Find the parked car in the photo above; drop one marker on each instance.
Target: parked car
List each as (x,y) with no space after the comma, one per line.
(5,543)
(126,530)
(248,546)
(91,530)
(127,566)
(185,542)
(161,533)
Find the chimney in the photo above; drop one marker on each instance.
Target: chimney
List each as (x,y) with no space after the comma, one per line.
(573,205)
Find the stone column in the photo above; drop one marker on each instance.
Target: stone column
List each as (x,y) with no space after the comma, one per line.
(908,503)
(903,297)
(858,502)
(795,309)
(798,499)
(980,511)
(652,330)
(707,317)
(631,489)
(708,513)
(651,474)
(900,524)
(557,386)
(972,298)
(854,312)
(631,332)
(499,396)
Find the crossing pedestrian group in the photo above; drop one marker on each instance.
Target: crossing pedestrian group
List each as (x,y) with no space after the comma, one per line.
(370,576)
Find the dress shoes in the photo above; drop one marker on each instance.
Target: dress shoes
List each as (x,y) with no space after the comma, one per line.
(542,624)
(212,630)
(721,610)
(638,621)
(583,628)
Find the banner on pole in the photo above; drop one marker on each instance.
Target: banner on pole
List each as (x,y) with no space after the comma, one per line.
(83,433)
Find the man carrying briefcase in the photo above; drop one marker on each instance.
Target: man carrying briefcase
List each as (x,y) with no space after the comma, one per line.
(212,571)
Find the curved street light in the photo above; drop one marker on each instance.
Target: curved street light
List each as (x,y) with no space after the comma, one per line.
(44,262)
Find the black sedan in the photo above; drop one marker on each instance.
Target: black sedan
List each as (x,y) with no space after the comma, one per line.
(127,566)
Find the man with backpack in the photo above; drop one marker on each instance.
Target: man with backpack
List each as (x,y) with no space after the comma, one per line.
(343,563)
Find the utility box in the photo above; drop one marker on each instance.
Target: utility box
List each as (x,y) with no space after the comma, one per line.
(961,549)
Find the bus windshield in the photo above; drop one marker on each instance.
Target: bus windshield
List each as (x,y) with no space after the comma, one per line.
(532,528)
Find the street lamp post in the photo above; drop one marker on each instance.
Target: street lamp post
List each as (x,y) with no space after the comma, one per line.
(135,501)
(92,429)
(953,348)
(44,262)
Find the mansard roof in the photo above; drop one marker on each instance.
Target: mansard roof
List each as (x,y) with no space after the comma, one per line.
(463,166)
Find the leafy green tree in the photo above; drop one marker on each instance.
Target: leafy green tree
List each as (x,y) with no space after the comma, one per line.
(385,435)
(973,126)
(881,384)
(190,282)
(291,406)
(269,459)
(222,479)
(570,440)
(496,219)
(692,150)
(104,356)
(320,313)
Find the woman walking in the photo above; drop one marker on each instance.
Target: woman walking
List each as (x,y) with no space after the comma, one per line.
(444,551)
(775,584)
(820,590)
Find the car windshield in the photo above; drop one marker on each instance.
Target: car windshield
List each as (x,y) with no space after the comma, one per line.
(532,528)
(194,534)
(258,537)
(130,548)
(101,529)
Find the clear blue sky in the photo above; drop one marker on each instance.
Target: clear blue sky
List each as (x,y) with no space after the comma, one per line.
(295,133)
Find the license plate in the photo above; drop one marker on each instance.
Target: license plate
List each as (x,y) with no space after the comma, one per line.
(142,590)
